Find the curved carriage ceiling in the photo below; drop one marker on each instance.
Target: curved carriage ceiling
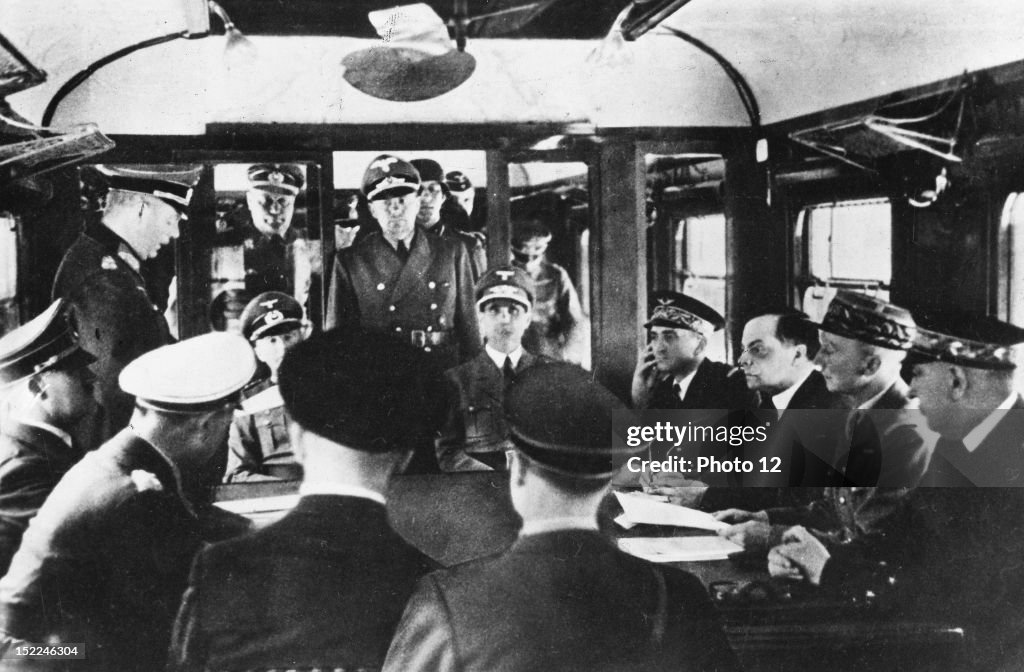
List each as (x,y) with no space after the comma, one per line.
(799,57)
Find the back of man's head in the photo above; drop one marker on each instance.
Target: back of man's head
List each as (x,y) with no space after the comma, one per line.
(364,390)
(795,327)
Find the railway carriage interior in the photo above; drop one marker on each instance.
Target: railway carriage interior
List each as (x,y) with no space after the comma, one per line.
(744,153)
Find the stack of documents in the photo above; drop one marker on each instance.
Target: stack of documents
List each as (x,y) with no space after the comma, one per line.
(638,507)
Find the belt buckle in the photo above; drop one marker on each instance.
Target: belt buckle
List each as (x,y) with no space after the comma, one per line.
(418,337)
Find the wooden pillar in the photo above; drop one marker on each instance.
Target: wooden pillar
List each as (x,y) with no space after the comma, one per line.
(498,209)
(756,244)
(618,262)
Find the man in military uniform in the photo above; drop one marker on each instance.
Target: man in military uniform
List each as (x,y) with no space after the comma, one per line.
(324,587)
(562,597)
(413,284)
(559,328)
(672,371)
(100,276)
(475,436)
(460,190)
(864,340)
(105,561)
(446,222)
(963,375)
(48,392)
(258,445)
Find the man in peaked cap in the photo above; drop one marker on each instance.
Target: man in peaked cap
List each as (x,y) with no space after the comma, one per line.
(101,276)
(48,393)
(258,445)
(562,597)
(475,436)
(559,328)
(104,562)
(672,371)
(864,341)
(963,375)
(446,222)
(460,190)
(324,587)
(414,285)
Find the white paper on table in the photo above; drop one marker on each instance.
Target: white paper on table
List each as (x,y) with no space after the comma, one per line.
(679,549)
(641,508)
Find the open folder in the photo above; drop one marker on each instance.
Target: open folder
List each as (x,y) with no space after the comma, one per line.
(638,507)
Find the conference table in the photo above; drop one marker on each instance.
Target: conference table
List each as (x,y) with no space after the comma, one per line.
(774,626)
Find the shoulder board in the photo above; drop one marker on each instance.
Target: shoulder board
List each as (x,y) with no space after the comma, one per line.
(264,401)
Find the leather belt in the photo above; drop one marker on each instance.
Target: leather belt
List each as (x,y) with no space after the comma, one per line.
(429,339)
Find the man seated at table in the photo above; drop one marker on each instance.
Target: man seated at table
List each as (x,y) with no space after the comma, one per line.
(475,436)
(324,586)
(864,341)
(561,597)
(258,446)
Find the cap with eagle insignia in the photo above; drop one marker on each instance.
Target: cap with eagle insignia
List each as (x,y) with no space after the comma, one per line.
(173,187)
(45,342)
(277,178)
(457,182)
(678,311)
(269,314)
(505,282)
(389,176)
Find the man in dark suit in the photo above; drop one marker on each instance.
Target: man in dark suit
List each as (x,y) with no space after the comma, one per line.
(101,276)
(324,587)
(48,390)
(475,436)
(779,348)
(963,374)
(864,342)
(562,597)
(417,286)
(672,371)
(104,562)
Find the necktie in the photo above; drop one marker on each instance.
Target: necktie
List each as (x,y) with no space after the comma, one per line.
(508,372)
(768,403)
(402,250)
(677,390)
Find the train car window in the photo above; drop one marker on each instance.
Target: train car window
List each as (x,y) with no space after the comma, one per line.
(846,245)
(262,240)
(700,268)
(8,273)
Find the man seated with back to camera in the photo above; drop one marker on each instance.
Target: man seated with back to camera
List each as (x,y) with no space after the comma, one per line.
(864,341)
(324,587)
(475,436)
(258,445)
(104,562)
(562,597)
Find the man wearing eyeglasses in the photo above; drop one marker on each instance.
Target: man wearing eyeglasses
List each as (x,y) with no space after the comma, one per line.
(101,276)
(445,222)
(475,436)
(403,281)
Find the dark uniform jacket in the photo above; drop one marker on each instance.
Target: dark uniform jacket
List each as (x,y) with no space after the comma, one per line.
(997,461)
(258,444)
(112,312)
(323,587)
(564,600)
(428,298)
(883,445)
(474,242)
(106,559)
(475,423)
(712,387)
(32,461)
